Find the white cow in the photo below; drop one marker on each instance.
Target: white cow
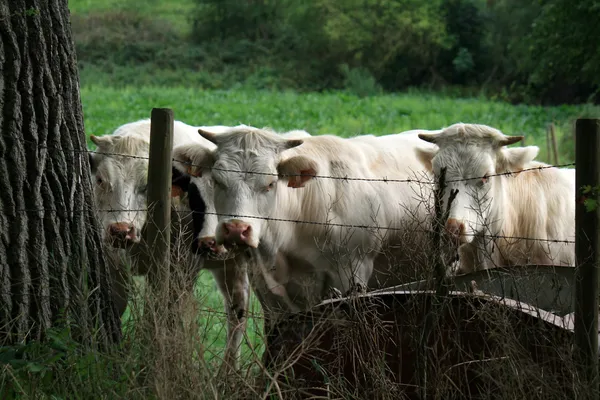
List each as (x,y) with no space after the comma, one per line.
(229,269)
(120,196)
(533,204)
(263,183)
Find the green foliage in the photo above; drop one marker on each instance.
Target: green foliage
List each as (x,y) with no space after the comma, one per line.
(564,43)
(175,12)
(465,28)
(532,52)
(360,82)
(55,367)
(590,196)
(396,41)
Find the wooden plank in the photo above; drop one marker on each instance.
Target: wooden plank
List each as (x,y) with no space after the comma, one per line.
(586,250)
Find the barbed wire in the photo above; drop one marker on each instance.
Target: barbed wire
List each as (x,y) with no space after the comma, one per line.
(341,178)
(347,178)
(329,224)
(319,223)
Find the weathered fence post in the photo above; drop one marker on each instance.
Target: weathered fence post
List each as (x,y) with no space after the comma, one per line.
(587,147)
(158,234)
(548,145)
(554,146)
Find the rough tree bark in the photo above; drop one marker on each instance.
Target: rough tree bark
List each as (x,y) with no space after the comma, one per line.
(51,261)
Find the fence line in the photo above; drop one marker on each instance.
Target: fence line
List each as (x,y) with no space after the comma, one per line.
(346,178)
(328,224)
(342,178)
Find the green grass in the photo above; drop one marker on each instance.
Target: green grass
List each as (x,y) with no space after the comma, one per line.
(212,321)
(342,114)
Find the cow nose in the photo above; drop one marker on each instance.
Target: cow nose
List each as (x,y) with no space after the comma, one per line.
(455,228)
(207,243)
(122,230)
(236,232)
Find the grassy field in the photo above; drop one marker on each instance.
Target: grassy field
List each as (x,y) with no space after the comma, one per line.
(342,114)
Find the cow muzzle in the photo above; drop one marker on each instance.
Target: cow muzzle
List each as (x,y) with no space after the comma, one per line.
(122,234)
(455,230)
(207,246)
(236,232)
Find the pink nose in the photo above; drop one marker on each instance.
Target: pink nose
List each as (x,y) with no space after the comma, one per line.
(236,231)
(122,231)
(455,228)
(208,243)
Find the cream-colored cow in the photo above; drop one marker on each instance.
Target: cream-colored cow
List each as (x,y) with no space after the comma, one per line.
(525,204)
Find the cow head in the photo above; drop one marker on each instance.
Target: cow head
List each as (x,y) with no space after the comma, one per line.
(472,155)
(120,186)
(198,186)
(246,170)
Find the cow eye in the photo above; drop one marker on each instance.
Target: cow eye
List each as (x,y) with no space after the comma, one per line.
(99,181)
(270,186)
(484,179)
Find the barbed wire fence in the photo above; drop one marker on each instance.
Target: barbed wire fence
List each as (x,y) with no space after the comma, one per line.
(586,304)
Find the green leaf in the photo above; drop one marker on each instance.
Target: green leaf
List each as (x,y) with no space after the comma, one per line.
(590,204)
(35,367)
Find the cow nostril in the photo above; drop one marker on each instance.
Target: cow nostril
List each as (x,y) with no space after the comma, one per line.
(207,243)
(246,231)
(225,229)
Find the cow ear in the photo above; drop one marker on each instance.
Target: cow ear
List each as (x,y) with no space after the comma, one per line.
(425,156)
(192,159)
(298,170)
(515,158)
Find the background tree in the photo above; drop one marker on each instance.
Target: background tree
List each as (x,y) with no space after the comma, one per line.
(51,262)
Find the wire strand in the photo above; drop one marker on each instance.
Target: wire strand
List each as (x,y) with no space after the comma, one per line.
(326,224)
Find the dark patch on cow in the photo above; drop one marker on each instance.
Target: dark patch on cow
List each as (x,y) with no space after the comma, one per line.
(180,179)
(196,204)
(198,208)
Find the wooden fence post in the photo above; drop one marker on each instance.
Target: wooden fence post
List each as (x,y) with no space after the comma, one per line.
(587,147)
(548,145)
(158,230)
(554,146)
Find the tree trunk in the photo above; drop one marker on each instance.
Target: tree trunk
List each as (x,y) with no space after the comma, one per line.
(51,261)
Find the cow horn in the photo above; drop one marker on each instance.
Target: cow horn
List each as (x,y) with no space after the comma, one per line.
(100,140)
(429,137)
(289,144)
(211,137)
(508,140)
